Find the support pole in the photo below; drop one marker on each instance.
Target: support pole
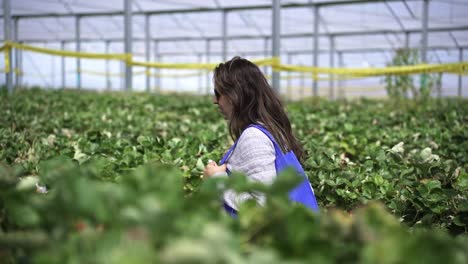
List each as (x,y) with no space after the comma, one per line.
(303,74)
(341,82)
(17,70)
(53,72)
(157,78)
(78,49)
(265,55)
(200,76)
(460,59)
(7,37)
(122,75)
(208,79)
(407,40)
(276,23)
(224,36)
(289,94)
(316,47)
(108,81)
(147,51)
(332,65)
(20,68)
(425,22)
(62,65)
(128,42)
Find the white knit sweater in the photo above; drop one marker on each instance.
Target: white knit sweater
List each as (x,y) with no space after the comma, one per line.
(254,156)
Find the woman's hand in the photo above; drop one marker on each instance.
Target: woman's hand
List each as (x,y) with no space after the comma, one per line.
(213,168)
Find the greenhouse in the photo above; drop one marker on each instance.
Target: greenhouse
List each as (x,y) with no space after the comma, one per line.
(216,131)
(331,34)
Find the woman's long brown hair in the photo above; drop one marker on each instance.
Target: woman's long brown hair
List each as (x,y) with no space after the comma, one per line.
(254,101)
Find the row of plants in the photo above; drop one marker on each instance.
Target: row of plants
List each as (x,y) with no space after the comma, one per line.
(123,171)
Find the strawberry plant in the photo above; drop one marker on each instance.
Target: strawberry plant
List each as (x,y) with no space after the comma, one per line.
(115,178)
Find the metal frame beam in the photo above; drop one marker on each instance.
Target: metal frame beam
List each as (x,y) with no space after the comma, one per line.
(395,16)
(366,50)
(283,36)
(305,51)
(454,39)
(409,9)
(206,9)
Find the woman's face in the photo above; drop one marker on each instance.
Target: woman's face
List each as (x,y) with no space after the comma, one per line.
(224,105)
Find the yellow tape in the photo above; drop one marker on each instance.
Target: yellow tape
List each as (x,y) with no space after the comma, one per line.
(283,77)
(310,75)
(393,70)
(266,61)
(18,72)
(84,55)
(192,66)
(177,75)
(7,60)
(342,78)
(275,63)
(99,73)
(325,90)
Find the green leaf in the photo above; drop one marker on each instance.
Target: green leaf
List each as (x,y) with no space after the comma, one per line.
(200,166)
(432,184)
(462,181)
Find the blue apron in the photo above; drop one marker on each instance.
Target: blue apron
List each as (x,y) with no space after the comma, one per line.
(302,193)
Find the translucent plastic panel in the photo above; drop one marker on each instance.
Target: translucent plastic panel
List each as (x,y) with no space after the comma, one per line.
(30,7)
(174,4)
(229,3)
(247,23)
(46,28)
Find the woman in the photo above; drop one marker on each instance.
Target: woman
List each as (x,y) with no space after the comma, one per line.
(257,123)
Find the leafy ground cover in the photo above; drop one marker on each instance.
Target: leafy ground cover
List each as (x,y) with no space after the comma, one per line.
(123,176)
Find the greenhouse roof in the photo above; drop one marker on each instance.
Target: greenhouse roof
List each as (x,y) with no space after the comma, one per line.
(351,33)
(356,25)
